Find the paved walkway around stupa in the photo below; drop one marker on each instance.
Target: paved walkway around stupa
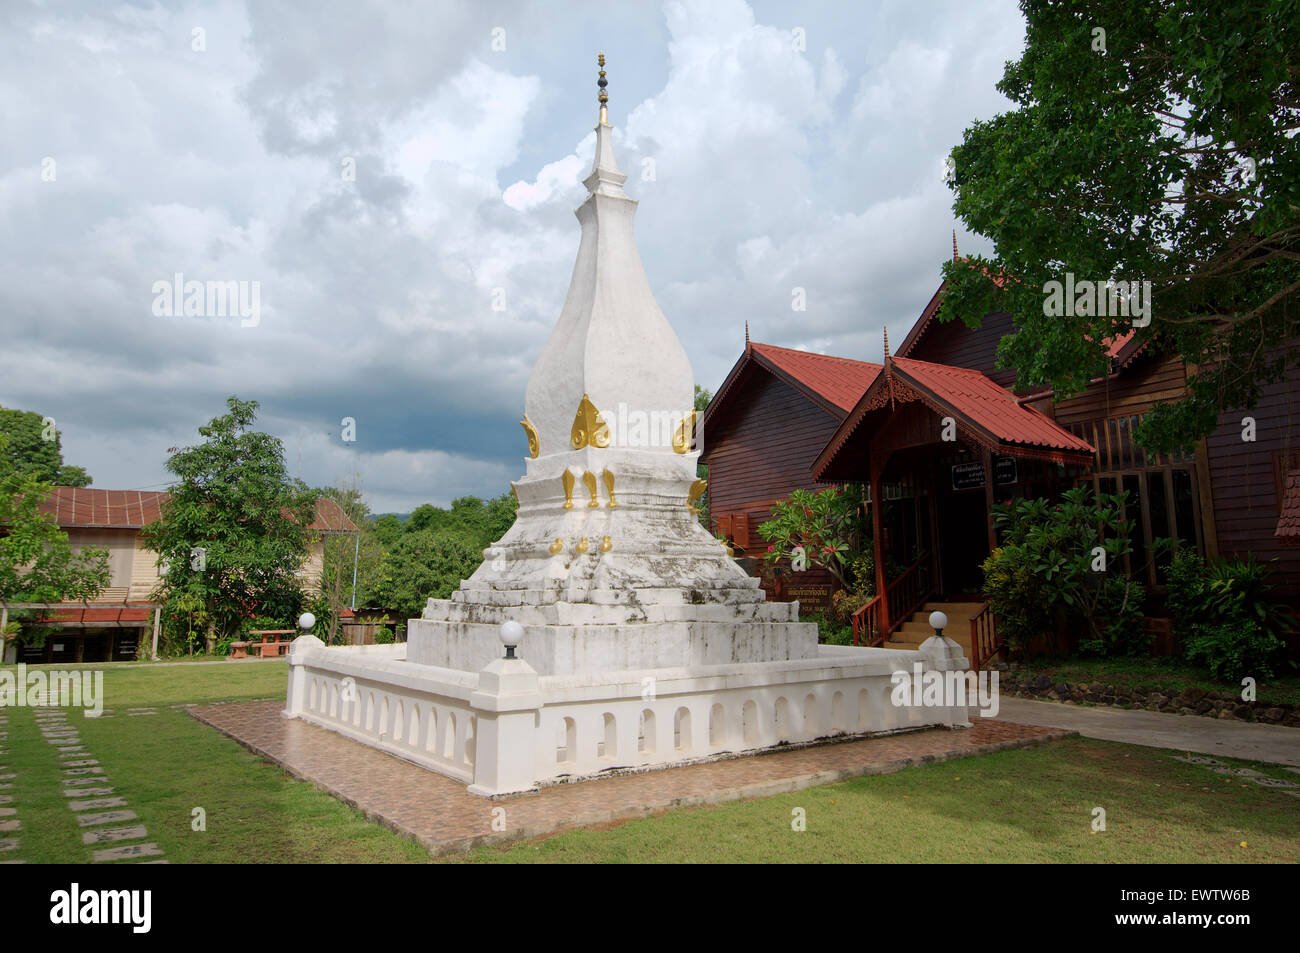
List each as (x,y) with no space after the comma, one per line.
(441,815)
(1275,744)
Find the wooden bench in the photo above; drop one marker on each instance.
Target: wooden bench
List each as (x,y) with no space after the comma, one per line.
(270,645)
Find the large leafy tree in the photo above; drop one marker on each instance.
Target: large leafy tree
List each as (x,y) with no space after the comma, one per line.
(35,448)
(234,531)
(426,564)
(37,564)
(1153,140)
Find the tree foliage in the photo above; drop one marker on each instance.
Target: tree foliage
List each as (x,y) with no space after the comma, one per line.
(1153,140)
(425,564)
(35,447)
(234,531)
(37,563)
(822,529)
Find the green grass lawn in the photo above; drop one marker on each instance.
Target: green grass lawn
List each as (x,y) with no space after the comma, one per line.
(1156,673)
(1027,805)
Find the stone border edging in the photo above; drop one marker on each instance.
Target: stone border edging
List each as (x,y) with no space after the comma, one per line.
(1188,701)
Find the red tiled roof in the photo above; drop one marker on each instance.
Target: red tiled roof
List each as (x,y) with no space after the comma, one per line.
(85,506)
(840,380)
(132,509)
(990,406)
(992,415)
(1288,521)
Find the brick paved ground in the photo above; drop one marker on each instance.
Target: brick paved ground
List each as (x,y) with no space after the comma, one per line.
(440,814)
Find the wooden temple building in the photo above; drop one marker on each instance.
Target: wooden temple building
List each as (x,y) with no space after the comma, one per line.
(923,431)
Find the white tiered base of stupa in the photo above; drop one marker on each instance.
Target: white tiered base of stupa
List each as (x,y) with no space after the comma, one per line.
(659,650)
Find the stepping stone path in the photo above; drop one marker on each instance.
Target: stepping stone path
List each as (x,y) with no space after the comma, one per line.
(9,822)
(1218,767)
(89,793)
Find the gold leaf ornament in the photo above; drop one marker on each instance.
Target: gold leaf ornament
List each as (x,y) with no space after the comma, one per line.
(685,430)
(534,442)
(589,428)
(697,491)
(589,479)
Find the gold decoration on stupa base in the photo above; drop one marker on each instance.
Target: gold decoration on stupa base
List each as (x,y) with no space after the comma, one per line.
(556,547)
(608,479)
(685,430)
(697,491)
(566,478)
(589,479)
(605,544)
(534,442)
(581,547)
(589,428)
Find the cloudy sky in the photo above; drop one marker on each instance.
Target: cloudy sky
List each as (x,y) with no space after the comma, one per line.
(399,180)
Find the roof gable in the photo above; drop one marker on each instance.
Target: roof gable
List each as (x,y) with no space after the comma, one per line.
(833,383)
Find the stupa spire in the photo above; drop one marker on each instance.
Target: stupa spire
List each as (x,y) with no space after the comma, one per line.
(604,96)
(605,177)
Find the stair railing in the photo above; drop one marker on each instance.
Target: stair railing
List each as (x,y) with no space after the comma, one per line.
(985,638)
(902,597)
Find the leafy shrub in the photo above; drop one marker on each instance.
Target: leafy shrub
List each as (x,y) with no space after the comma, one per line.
(1065,560)
(831,631)
(1224,615)
(1233,650)
(384,636)
(826,524)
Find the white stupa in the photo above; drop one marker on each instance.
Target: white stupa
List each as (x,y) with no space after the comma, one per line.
(639,640)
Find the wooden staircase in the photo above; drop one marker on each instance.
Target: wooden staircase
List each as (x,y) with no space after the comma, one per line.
(917,628)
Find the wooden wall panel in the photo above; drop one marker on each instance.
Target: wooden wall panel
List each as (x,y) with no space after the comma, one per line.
(955,344)
(765,450)
(1243,484)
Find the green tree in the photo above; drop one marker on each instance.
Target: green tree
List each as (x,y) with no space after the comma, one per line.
(1153,141)
(702,398)
(388,529)
(425,565)
(37,564)
(234,531)
(35,447)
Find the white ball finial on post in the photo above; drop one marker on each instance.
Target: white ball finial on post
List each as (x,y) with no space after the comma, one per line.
(511,634)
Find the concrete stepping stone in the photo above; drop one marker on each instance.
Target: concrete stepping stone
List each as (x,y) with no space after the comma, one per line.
(9,844)
(105,817)
(6,786)
(8,811)
(87,792)
(1276,783)
(134,713)
(114,833)
(97,803)
(8,827)
(77,752)
(1197,759)
(126,853)
(82,782)
(8,777)
(84,771)
(80,763)
(6,798)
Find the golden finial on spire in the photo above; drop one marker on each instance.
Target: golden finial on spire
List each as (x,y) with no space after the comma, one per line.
(602,83)
(886,344)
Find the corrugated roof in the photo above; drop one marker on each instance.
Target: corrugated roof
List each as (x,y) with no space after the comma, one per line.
(991,406)
(132,509)
(840,380)
(1288,521)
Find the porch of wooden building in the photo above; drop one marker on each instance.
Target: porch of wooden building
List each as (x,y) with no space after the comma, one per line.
(937,474)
